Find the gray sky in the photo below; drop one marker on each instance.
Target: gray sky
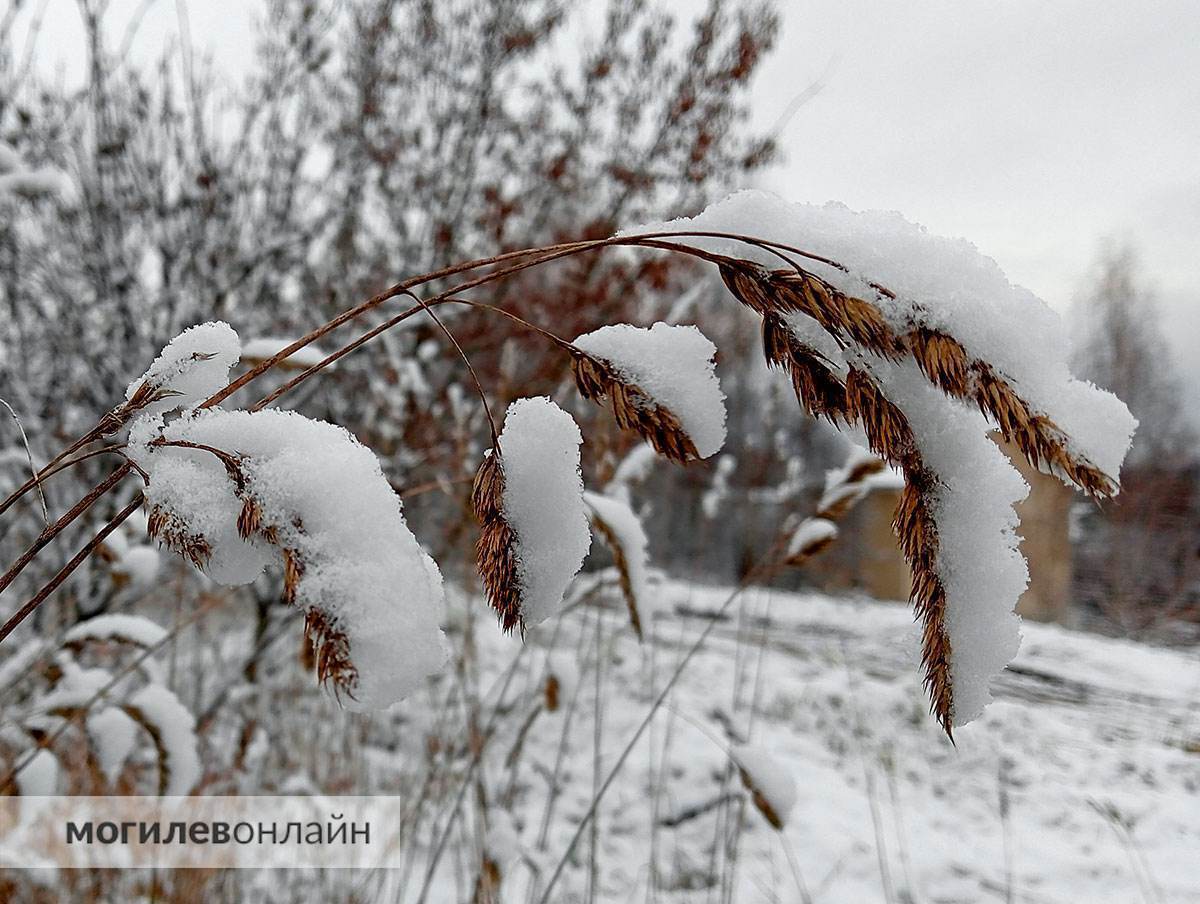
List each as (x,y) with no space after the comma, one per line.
(1035,128)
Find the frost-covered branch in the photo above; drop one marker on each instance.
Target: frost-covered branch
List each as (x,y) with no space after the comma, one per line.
(918,341)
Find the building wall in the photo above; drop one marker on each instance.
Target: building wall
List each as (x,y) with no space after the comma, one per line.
(866,557)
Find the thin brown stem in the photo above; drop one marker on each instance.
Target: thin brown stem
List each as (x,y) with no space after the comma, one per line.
(38,476)
(49,472)
(58,526)
(524,259)
(76,560)
(487,409)
(29,456)
(533,257)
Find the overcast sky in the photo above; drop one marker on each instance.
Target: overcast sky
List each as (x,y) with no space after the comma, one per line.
(1035,128)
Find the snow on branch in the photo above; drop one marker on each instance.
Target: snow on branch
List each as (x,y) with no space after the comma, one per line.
(173,731)
(528,497)
(621,529)
(116,626)
(919,341)
(193,366)
(771,785)
(923,343)
(662,383)
(235,491)
(845,487)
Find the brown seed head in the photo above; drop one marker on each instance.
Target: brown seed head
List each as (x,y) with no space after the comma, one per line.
(495,551)
(761,803)
(632,408)
(331,652)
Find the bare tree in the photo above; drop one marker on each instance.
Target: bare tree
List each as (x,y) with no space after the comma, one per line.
(1136,558)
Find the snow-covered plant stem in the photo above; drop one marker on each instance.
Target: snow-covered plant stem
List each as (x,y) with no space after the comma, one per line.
(900,361)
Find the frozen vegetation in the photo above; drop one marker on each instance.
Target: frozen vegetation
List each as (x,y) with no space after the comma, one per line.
(674,365)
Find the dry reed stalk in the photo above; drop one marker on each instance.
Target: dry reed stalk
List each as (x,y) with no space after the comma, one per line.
(632,407)
(943,360)
(814,547)
(859,401)
(761,803)
(331,652)
(503,265)
(156,736)
(174,534)
(325,648)
(621,562)
(774,294)
(329,646)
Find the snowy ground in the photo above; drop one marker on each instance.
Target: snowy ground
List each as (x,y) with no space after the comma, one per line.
(1080,784)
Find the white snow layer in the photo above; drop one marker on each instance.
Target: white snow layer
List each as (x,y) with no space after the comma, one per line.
(327,497)
(193,366)
(39,778)
(674,365)
(770,778)
(627,530)
(175,734)
(981,567)
(942,283)
(978,561)
(117,626)
(113,734)
(543,502)
(811,532)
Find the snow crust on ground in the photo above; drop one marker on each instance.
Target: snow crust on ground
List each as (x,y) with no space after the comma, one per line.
(840,708)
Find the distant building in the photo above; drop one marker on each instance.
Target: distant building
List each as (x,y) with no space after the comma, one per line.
(866,557)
